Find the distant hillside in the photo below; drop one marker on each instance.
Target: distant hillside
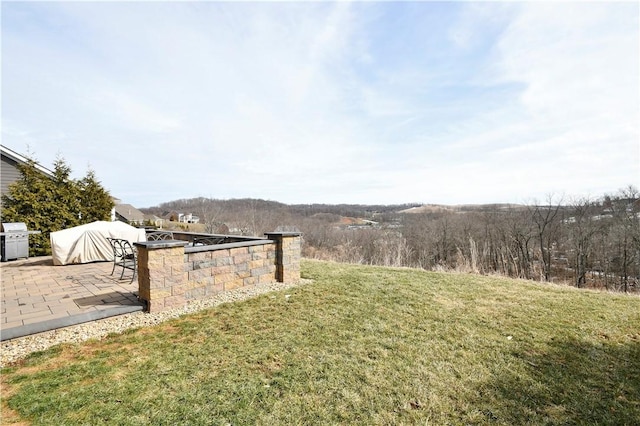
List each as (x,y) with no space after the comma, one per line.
(366,211)
(428,208)
(589,243)
(439,208)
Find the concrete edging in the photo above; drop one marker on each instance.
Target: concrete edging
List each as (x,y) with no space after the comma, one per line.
(39,327)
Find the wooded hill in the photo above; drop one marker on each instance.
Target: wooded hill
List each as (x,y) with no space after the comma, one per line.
(584,242)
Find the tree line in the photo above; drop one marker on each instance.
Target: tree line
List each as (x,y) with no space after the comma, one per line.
(595,240)
(52,203)
(582,241)
(586,242)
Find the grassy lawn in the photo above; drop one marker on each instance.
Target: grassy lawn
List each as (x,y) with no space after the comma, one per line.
(361,345)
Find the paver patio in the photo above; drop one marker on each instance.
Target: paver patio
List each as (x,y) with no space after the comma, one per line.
(37,296)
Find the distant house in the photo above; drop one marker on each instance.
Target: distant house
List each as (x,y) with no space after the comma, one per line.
(9,172)
(171,216)
(174,216)
(129,214)
(188,218)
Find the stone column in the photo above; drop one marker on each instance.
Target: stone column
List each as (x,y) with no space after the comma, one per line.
(288,247)
(161,275)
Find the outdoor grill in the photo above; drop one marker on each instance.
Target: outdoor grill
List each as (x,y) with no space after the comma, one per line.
(14,241)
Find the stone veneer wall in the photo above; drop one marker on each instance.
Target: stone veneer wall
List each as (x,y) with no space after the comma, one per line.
(171,274)
(210,272)
(288,253)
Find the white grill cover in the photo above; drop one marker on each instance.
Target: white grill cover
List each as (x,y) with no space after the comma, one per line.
(88,243)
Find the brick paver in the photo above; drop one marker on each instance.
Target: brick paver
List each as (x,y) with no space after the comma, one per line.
(33,290)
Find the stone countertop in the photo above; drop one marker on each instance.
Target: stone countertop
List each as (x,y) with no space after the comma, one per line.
(160,244)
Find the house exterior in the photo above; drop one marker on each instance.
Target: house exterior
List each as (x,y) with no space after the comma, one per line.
(170,216)
(174,216)
(9,173)
(129,214)
(188,218)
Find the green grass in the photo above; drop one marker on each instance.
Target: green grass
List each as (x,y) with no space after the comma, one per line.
(361,345)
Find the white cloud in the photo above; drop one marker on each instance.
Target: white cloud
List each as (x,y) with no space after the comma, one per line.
(574,126)
(134,113)
(328,102)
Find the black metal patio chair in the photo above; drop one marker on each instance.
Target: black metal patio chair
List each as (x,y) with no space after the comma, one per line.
(124,255)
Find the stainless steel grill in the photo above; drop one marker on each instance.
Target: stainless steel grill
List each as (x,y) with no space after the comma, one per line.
(14,243)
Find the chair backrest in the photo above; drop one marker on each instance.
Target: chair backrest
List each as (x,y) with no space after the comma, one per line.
(127,249)
(207,241)
(115,246)
(160,235)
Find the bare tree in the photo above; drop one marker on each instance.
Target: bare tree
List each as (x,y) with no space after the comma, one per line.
(545,219)
(520,233)
(417,231)
(625,211)
(209,211)
(582,226)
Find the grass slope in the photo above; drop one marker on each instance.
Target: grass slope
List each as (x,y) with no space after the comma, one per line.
(361,345)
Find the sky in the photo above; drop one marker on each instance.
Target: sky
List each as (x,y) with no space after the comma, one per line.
(328,102)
